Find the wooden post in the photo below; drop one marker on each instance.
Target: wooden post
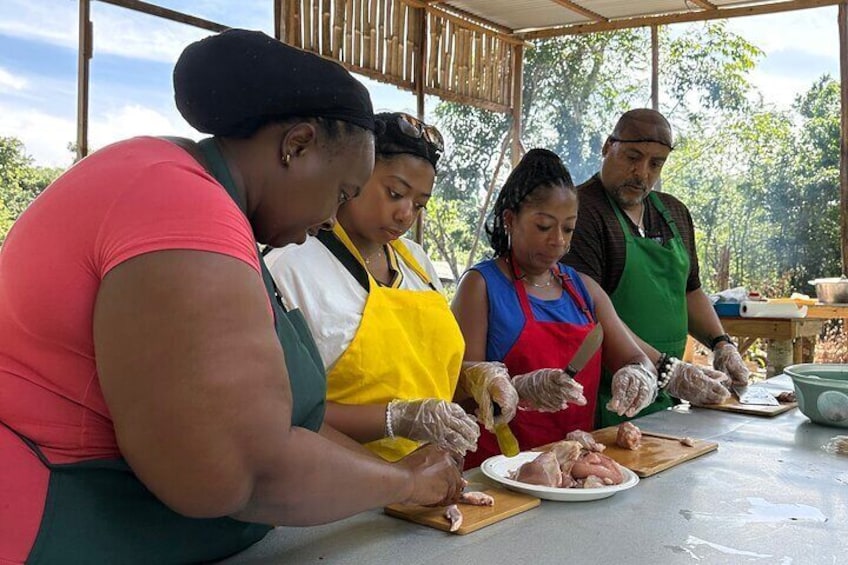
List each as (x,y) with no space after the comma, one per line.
(655,81)
(843,136)
(83,57)
(517,97)
(655,68)
(420,70)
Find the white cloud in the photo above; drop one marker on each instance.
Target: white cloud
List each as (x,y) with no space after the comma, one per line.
(8,81)
(45,136)
(811,31)
(132,120)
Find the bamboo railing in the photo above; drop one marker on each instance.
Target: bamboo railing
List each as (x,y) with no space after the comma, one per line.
(382,39)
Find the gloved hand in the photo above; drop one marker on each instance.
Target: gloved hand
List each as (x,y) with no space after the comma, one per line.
(633,388)
(489,382)
(444,424)
(698,385)
(548,390)
(726,358)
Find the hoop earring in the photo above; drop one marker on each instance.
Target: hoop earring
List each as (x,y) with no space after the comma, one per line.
(287,159)
(567,249)
(508,241)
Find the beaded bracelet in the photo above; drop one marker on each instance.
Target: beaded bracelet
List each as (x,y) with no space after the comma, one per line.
(665,368)
(390,433)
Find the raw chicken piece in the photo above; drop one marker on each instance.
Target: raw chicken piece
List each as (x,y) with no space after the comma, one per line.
(476,499)
(567,452)
(454,516)
(628,436)
(687,441)
(786,396)
(599,465)
(543,470)
(586,440)
(593,481)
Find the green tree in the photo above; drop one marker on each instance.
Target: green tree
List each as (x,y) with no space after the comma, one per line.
(20,181)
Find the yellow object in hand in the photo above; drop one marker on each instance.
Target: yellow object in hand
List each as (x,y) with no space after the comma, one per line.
(506,440)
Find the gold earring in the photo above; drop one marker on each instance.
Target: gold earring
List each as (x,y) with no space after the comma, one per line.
(287,159)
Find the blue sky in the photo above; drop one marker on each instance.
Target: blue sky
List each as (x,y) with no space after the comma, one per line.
(134,54)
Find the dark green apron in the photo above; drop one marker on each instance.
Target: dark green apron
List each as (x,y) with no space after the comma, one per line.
(651,300)
(97,511)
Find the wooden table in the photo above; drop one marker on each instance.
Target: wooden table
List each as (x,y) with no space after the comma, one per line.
(828,311)
(769,494)
(792,330)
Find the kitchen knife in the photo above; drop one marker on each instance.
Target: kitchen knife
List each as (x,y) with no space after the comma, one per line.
(587,349)
(755,395)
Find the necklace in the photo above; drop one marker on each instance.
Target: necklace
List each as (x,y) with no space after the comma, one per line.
(376,255)
(640,225)
(540,285)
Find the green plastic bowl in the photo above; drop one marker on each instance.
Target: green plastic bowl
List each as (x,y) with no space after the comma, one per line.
(822,392)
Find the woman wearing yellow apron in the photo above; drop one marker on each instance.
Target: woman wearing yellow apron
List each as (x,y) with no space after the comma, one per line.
(392,348)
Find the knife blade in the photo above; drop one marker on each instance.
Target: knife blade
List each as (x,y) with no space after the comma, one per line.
(587,349)
(755,395)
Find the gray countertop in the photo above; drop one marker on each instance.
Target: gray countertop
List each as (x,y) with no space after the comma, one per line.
(769,494)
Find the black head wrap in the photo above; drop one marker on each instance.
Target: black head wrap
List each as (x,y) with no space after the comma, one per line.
(390,139)
(232,83)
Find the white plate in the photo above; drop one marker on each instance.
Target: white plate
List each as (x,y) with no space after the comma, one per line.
(498,468)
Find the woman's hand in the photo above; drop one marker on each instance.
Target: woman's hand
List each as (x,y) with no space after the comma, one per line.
(698,385)
(726,358)
(436,421)
(489,382)
(548,390)
(435,474)
(633,388)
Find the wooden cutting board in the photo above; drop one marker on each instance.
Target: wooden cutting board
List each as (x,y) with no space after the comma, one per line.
(507,504)
(732,404)
(657,452)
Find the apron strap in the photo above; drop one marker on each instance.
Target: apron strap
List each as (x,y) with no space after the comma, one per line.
(571,289)
(346,258)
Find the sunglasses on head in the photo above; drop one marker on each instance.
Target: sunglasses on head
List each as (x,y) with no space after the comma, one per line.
(413,127)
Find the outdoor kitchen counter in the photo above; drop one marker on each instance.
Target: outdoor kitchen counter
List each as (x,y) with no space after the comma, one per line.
(770,494)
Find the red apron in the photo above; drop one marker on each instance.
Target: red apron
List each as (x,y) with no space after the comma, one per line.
(542,345)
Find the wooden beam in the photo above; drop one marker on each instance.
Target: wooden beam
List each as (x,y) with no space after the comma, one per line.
(420,68)
(165,13)
(581,10)
(517,102)
(843,136)
(702,15)
(83,57)
(704,4)
(655,68)
(467,19)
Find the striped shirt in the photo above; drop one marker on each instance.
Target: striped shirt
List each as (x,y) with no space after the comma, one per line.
(598,247)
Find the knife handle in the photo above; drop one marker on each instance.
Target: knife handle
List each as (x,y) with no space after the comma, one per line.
(506,439)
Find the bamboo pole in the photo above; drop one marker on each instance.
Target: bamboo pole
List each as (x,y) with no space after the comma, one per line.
(84,54)
(326,41)
(516,101)
(348,32)
(338,30)
(843,137)
(306,14)
(374,39)
(655,68)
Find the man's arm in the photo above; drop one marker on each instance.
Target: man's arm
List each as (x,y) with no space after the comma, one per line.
(704,324)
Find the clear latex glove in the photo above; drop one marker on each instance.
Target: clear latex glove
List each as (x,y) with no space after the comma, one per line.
(633,388)
(726,358)
(698,385)
(444,424)
(548,390)
(489,382)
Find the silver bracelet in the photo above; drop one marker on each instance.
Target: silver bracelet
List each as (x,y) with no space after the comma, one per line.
(390,433)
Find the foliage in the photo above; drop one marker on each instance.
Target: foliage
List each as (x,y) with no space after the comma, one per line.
(20,181)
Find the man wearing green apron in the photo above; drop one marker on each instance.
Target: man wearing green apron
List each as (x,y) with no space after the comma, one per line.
(639,246)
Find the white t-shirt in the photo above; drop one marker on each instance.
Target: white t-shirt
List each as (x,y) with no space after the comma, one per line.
(310,277)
